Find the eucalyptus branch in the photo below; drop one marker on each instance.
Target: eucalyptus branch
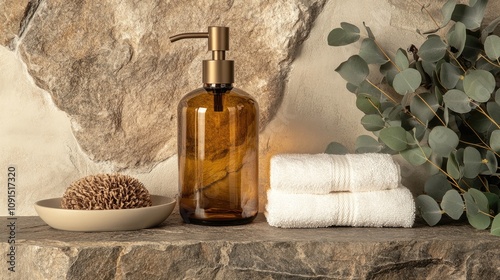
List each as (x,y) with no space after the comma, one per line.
(479,138)
(386,56)
(456,60)
(455,183)
(478,108)
(489,61)
(486,214)
(382,91)
(371,102)
(474,144)
(429,14)
(430,108)
(484,184)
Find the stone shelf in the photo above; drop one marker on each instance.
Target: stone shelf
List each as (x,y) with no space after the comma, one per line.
(256,251)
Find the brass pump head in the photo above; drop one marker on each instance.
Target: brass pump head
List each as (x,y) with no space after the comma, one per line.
(218,70)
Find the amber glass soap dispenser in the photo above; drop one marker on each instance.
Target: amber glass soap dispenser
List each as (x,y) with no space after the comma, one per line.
(217,143)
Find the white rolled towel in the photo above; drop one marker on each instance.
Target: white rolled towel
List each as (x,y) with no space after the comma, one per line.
(325,173)
(387,208)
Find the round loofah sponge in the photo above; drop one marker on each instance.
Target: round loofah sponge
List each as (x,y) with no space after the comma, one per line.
(105,192)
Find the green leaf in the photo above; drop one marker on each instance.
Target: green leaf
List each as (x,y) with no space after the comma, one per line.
(495,140)
(479,85)
(447,11)
(473,47)
(433,49)
(424,106)
(442,140)
(416,156)
(470,16)
(349,27)
(366,144)
(389,72)
(497,96)
(371,53)
(437,161)
(367,103)
(394,137)
(366,87)
(373,122)
(475,201)
(456,38)
(491,163)
(407,81)
(492,47)
(472,162)
(492,199)
(495,225)
(350,87)
(489,29)
(452,204)
(401,59)
(369,31)
(449,75)
(336,148)
(494,111)
(342,37)
(457,101)
(453,166)
(428,209)
(354,70)
(437,185)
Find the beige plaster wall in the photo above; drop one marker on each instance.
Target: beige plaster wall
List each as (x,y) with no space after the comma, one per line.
(37,139)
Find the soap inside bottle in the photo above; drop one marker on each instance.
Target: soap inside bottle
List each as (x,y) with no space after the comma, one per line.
(218,156)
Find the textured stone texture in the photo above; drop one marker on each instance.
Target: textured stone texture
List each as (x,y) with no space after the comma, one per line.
(11,15)
(256,251)
(110,66)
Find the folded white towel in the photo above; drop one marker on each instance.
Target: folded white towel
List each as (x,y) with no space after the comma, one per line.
(387,208)
(324,173)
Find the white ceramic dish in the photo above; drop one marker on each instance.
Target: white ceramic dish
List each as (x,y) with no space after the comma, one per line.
(50,211)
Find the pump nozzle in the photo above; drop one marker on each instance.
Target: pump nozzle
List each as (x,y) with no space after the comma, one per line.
(218,70)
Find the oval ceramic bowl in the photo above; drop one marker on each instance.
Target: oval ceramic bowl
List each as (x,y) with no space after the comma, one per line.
(50,211)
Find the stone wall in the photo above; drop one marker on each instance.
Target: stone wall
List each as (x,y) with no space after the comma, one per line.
(92,86)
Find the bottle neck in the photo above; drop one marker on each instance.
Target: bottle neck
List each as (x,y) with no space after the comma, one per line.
(218,91)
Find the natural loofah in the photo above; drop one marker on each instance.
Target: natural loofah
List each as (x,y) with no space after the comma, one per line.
(106,191)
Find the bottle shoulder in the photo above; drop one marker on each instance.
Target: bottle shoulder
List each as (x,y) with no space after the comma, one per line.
(201,97)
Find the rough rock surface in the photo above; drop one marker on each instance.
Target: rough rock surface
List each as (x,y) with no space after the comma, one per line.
(256,251)
(11,16)
(110,66)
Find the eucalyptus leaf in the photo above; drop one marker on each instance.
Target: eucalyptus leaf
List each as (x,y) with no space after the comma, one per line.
(472,162)
(492,47)
(491,163)
(447,11)
(432,166)
(369,31)
(428,209)
(371,53)
(443,140)
(367,103)
(437,185)
(372,122)
(366,144)
(424,106)
(471,16)
(497,96)
(480,123)
(354,70)
(479,85)
(480,199)
(457,101)
(473,47)
(416,156)
(342,37)
(368,88)
(401,59)
(394,137)
(429,67)
(407,81)
(476,219)
(489,28)
(495,225)
(350,87)
(494,111)
(349,27)
(336,149)
(452,204)
(449,75)
(453,167)
(433,49)
(389,72)
(495,140)
(492,199)
(456,38)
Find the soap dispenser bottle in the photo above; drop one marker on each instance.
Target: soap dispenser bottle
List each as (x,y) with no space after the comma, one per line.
(217,143)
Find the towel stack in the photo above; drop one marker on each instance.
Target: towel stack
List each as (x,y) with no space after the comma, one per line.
(322,190)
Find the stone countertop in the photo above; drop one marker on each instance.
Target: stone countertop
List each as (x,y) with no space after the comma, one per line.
(256,251)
